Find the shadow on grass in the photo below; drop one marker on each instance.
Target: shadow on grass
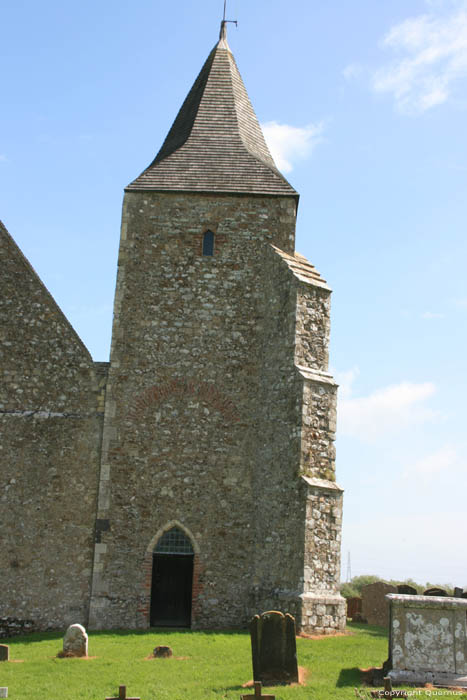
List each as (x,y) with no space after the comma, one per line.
(349,677)
(33,637)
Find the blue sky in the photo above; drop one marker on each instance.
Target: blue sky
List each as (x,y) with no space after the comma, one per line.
(364,105)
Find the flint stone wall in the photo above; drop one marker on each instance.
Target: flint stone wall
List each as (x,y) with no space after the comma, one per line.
(12,627)
(50,432)
(428,641)
(204,415)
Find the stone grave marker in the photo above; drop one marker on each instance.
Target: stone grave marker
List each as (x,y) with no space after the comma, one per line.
(404,589)
(375,607)
(458,592)
(4,652)
(258,693)
(435,591)
(122,694)
(162,652)
(75,641)
(354,608)
(3,692)
(273,648)
(428,640)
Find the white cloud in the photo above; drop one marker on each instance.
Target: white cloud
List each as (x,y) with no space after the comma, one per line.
(431,315)
(432,59)
(423,546)
(345,381)
(291,143)
(353,70)
(383,412)
(442,462)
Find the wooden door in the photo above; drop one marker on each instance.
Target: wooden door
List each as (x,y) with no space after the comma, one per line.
(171,590)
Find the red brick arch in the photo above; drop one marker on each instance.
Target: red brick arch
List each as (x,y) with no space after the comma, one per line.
(182,389)
(147,570)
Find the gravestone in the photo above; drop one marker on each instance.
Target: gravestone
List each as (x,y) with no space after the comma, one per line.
(435,591)
(375,607)
(3,692)
(4,652)
(404,589)
(273,648)
(458,592)
(75,641)
(162,652)
(354,608)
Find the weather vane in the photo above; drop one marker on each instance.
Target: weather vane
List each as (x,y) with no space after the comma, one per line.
(224,21)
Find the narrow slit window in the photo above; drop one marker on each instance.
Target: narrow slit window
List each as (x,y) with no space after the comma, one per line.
(208,243)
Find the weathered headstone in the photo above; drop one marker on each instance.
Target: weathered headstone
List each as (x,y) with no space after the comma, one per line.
(273,648)
(3,692)
(122,694)
(354,608)
(458,592)
(404,589)
(258,694)
(375,607)
(75,641)
(4,652)
(162,652)
(435,591)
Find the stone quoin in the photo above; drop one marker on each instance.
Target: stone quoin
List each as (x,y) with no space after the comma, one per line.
(207,441)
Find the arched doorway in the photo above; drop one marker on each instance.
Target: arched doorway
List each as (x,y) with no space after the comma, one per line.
(172,580)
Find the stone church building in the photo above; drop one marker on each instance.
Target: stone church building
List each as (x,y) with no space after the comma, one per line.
(190,481)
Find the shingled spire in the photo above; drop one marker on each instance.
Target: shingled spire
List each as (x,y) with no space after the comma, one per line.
(215,143)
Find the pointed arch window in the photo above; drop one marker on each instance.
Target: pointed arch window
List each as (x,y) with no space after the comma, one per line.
(174,541)
(208,243)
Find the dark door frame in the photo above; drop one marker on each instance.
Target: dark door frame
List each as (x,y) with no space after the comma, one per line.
(171,590)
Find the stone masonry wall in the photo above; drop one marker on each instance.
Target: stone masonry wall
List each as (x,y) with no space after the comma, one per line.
(323,609)
(204,409)
(279,508)
(313,326)
(50,431)
(181,413)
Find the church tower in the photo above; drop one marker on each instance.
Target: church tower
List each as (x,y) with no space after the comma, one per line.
(217,496)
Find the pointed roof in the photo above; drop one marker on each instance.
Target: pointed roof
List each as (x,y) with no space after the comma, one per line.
(215,143)
(20,283)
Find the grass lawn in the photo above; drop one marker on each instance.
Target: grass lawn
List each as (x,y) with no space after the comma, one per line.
(204,665)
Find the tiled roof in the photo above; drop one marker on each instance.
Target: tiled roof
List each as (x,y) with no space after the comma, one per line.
(215,143)
(302,269)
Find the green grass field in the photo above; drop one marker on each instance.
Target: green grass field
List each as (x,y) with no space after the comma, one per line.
(205,665)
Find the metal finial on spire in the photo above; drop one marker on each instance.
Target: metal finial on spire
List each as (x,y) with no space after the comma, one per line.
(223,32)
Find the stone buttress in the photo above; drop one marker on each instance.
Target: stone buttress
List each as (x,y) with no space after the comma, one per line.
(220,412)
